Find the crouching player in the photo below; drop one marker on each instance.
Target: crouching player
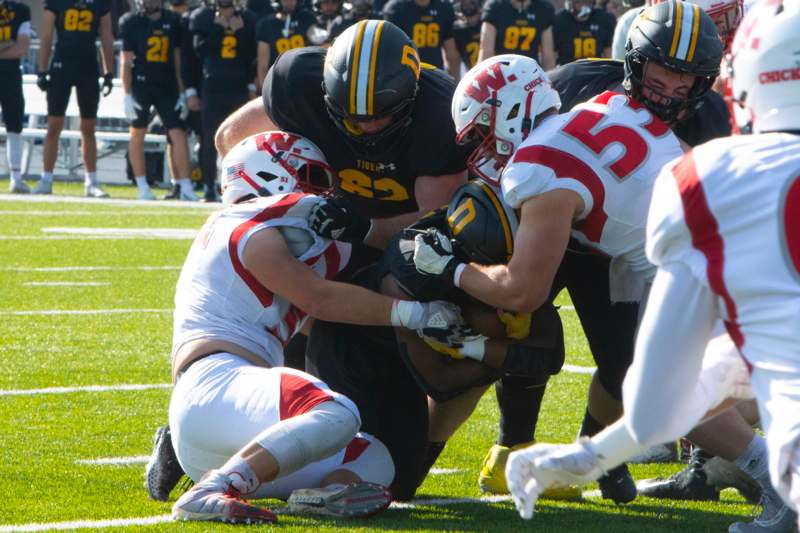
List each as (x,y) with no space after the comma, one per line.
(243,426)
(723,230)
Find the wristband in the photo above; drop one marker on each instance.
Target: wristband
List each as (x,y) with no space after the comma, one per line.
(191,91)
(401,312)
(457,274)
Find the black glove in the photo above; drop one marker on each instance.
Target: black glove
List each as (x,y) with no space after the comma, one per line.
(42,82)
(332,218)
(108,83)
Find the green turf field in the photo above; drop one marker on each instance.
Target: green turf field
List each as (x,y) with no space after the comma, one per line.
(47,437)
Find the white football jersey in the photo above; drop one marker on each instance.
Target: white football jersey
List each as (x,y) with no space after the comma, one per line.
(218,298)
(730,211)
(609,150)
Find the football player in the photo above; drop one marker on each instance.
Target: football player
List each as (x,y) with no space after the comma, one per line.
(581,202)
(15,37)
(290,27)
(242,425)
(224,41)
(582,31)
(150,73)
(326,12)
(723,235)
(359,10)
(429,23)
(77,24)
(518,27)
(467,31)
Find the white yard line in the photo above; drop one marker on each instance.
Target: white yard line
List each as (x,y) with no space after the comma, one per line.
(445,471)
(566,307)
(87,268)
(67,283)
(577,369)
(39,312)
(85,388)
(76,213)
(152,233)
(133,460)
(50,199)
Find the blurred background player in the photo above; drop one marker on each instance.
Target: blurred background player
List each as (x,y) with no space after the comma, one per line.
(77,24)
(292,26)
(429,23)
(359,10)
(467,31)
(15,37)
(326,12)
(522,27)
(150,72)
(582,31)
(224,41)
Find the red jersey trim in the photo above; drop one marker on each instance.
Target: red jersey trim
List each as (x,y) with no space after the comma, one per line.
(566,165)
(298,395)
(354,449)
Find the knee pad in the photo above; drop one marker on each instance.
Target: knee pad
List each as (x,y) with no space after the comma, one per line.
(312,436)
(374,464)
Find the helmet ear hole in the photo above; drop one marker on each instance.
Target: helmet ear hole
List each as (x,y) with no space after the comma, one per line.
(514,112)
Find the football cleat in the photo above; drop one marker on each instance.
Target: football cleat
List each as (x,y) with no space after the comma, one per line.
(725,474)
(215,499)
(691,483)
(174,193)
(18,187)
(492,479)
(348,501)
(146,194)
(163,471)
(187,195)
(94,191)
(618,485)
(775,517)
(43,187)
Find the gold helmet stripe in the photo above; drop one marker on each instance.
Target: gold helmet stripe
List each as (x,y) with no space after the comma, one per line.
(373,59)
(503,219)
(676,32)
(695,31)
(354,65)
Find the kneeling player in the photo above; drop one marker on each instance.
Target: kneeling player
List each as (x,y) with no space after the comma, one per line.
(241,425)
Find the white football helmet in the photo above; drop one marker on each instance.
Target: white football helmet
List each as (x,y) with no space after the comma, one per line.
(273,162)
(726,14)
(496,103)
(762,79)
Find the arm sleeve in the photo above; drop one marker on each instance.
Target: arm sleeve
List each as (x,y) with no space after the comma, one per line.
(491,12)
(52,5)
(448,17)
(128,41)
(190,64)
(549,14)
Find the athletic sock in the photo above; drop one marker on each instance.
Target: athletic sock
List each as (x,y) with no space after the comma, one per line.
(753,461)
(590,425)
(90,178)
(185,185)
(519,399)
(141,183)
(14,155)
(47,177)
(241,474)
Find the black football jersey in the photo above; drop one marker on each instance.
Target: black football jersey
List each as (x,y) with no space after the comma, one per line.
(284,32)
(153,43)
(575,39)
(518,31)
(227,56)
(260,8)
(468,42)
(191,67)
(429,27)
(341,23)
(12,16)
(77,25)
(379,186)
(581,80)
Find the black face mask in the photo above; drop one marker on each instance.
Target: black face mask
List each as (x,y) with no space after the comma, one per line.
(224,3)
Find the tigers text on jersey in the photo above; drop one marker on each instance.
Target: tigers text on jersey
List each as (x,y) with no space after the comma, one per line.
(284,32)
(518,31)
(730,211)
(429,27)
(14,16)
(218,298)
(578,39)
(77,25)
(609,151)
(153,43)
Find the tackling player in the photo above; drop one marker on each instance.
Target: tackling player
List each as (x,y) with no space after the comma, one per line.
(724,235)
(243,426)
(77,24)
(15,37)
(582,31)
(150,73)
(518,27)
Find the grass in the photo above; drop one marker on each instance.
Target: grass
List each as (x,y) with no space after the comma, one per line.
(44,436)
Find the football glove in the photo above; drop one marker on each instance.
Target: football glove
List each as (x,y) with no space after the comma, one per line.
(108,83)
(182,107)
(132,107)
(431,315)
(459,341)
(333,219)
(433,256)
(532,470)
(42,81)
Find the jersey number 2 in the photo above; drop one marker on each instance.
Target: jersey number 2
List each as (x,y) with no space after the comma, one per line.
(228,50)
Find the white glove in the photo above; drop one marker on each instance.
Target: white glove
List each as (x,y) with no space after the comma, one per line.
(433,254)
(182,107)
(532,470)
(132,107)
(417,315)
(459,341)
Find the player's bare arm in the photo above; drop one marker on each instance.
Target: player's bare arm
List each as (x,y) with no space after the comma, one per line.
(18,49)
(488,35)
(46,39)
(242,123)
(107,43)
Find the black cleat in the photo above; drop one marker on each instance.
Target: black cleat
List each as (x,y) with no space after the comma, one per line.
(690,483)
(618,485)
(174,193)
(163,471)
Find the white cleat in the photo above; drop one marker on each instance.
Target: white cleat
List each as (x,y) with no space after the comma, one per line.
(95,191)
(146,194)
(18,187)
(348,501)
(214,499)
(775,517)
(43,187)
